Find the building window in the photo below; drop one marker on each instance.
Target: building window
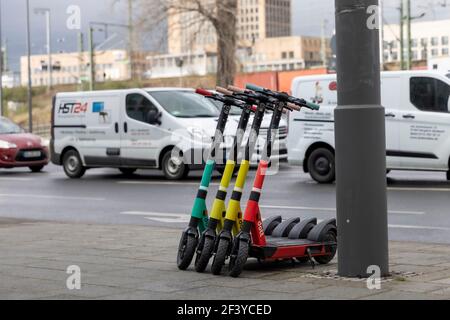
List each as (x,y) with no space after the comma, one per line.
(445,51)
(445,40)
(435,41)
(434,53)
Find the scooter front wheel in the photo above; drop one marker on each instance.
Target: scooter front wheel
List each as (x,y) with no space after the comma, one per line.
(186,251)
(239,259)
(220,257)
(203,257)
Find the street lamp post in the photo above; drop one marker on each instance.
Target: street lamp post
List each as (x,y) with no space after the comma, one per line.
(360,144)
(46,12)
(30,89)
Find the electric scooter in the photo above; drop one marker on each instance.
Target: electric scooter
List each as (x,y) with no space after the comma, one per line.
(321,241)
(233,217)
(199,216)
(216,220)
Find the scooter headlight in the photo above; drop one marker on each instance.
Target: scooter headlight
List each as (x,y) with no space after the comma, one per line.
(7,145)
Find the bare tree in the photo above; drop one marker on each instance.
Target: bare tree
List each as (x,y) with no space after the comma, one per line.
(195,18)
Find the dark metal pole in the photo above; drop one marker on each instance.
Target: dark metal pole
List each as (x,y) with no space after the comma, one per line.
(360,143)
(30,83)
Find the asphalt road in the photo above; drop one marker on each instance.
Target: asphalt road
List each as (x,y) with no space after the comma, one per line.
(419,203)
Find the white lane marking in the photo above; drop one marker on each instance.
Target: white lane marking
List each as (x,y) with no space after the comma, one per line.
(167,183)
(15,179)
(49,197)
(420,189)
(160,217)
(416,213)
(399,226)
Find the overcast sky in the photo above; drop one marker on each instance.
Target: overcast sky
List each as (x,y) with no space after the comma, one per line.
(307,20)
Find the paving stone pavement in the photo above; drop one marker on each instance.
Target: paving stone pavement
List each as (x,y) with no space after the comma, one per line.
(136,262)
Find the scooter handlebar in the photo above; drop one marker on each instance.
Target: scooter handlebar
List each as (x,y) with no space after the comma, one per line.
(299,103)
(236,89)
(204,92)
(224,91)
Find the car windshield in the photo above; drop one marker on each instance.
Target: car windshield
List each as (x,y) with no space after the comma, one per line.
(185,104)
(8,127)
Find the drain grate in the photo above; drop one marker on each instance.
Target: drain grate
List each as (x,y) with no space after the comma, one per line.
(333,275)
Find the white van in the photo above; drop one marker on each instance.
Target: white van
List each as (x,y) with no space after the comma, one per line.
(417,123)
(135,129)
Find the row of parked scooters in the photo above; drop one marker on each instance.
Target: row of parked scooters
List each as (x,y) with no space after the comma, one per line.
(229,234)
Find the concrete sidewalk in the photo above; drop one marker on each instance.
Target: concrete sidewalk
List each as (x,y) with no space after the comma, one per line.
(132,262)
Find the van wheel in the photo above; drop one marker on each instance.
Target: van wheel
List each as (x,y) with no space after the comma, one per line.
(174,167)
(128,171)
(73,167)
(321,166)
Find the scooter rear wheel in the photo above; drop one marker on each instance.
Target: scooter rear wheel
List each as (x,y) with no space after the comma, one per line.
(220,257)
(237,261)
(186,251)
(331,250)
(203,257)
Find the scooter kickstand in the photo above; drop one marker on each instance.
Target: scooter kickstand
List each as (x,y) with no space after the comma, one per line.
(313,264)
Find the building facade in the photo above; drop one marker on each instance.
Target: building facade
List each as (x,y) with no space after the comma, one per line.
(285,54)
(73,68)
(430,40)
(256,19)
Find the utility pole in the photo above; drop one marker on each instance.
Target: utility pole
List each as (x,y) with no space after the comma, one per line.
(408,35)
(323,48)
(47,14)
(402,36)
(360,144)
(80,59)
(131,38)
(91,60)
(30,83)
(1,63)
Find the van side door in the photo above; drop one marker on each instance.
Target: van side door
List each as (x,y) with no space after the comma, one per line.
(140,139)
(390,99)
(425,128)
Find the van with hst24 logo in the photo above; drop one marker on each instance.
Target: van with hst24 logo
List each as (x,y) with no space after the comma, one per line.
(417,107)
(133,129)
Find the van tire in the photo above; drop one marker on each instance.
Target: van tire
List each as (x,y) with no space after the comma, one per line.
(171,170)
(322,166)
(448,175)
(72,164)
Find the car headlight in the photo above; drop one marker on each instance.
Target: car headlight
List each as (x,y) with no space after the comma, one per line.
(7,145)
(45,142)
(197,133)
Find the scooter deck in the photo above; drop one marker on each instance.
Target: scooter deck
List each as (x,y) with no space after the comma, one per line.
(282,248)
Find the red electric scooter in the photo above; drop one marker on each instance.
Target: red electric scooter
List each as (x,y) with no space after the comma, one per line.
(291,239)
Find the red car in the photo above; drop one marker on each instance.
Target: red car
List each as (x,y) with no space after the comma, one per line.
(21,149)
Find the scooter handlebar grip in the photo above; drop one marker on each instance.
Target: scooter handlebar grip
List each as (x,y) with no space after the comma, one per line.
(236,89)
(204,92)
(293,107)
(312,106)
(254,87)
(224,91)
